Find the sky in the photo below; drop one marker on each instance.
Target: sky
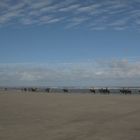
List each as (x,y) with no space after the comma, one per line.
(69,43)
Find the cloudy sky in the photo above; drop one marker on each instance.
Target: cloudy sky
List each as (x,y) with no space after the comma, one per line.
(70,43)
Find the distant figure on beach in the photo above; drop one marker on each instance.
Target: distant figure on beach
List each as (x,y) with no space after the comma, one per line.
(92,90)
(47,90)
(25,89)
(65,90)
(126,91)
(5,89)
(32,89)
(104,91)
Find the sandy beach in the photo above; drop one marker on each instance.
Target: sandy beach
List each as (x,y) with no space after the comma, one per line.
(42,116)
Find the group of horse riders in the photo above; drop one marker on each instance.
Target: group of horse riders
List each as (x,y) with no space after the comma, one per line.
(107,91)
(92,90)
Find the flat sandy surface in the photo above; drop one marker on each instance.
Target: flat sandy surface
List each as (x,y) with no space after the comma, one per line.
(34,116)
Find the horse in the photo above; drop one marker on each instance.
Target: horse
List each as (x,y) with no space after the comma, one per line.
(5,89)
(125,91)
(104,91)
(92,90)
(25,89)
(65,90)
(47,90)
(33,89)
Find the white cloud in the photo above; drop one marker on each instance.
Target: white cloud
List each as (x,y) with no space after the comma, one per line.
(54,20)
(69,8)
(38,5)
(89,8)
(28,12)
(98,28)
(76,21)
(117,72)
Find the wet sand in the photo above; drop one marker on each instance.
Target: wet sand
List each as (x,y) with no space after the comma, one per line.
(41,116)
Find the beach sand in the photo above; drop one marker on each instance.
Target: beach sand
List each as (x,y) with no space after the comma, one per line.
(42,116)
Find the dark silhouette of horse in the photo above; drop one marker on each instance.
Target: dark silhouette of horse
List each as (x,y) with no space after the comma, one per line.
(65,90)
(25,89)
(92,90)
(104,91)
(125,91)
(47,90)
(5,89)
(33,89)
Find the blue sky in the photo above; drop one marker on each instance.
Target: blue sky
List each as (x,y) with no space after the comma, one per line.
(69,43)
